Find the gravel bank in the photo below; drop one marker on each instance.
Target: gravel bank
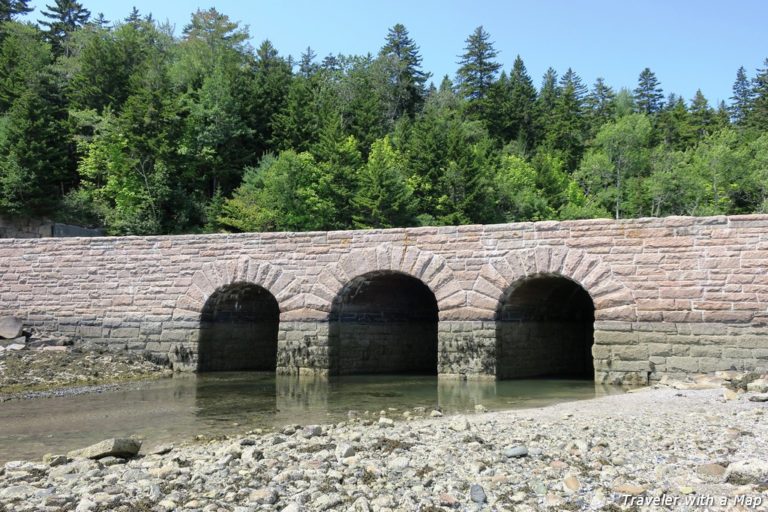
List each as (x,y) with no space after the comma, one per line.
(675,449)
(33,373)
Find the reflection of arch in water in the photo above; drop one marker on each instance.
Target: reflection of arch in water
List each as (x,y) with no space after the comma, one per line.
(384,322)
(238,329)
(545,328)
(464,395)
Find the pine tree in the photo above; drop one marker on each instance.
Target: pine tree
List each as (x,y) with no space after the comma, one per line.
(408,77)
(9,9)
(758,116)
(742,97)
(545,104)
(600,105)
(65,16)
(649,96)
(702,116)
(307,64)
(478,68)
(384,198)
(567,131)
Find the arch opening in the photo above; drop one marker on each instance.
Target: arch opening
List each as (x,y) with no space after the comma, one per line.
(238,330)
(384,322)
(545,328)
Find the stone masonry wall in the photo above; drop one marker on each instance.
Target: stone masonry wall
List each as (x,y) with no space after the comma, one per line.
(671,295)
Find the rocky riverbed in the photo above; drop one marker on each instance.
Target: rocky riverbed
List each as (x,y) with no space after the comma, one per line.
(654,449)
(54,370)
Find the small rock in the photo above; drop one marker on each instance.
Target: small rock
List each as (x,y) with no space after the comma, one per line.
(685,490)
(448,500)
(292,507)
(86,505)
(116,447)
(730,394)
(55,460)
(477,493)
(344,450)
(711,472)
(168,504)
(758,385)
(761,397)
(460,424)
(553,501)
(251,455)
(162,449)
(571,484)
(481,408)
(630,489)
(15,347)
(263,496)
(435,414)
(361,505)
(386,422)
(749,471)
(516,452)
(311,431)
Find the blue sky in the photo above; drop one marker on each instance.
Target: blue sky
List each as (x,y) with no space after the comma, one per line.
(688,44)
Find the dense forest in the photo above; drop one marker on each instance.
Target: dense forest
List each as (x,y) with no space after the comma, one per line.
(123,124)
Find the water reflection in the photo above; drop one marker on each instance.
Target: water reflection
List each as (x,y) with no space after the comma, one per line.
(229,403)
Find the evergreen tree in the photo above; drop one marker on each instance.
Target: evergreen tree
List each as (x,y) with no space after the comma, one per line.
(649,97)
(600,105)
(307,64)
(478,68)
(384,197)
(408,78)
(567,132)
(758,115)
(673,124)
(10,9)
(35,171)
(65,17)
(546,103)
(741,101)
(512,105)
(702,116)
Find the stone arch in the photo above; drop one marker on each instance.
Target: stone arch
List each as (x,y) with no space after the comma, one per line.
(384,321)
(611,298)
(214,275)
(429,268)
(545,328)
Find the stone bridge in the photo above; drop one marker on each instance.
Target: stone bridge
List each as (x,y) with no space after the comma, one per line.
(620,301)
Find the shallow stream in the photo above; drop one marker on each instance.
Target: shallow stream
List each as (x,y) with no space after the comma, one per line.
(179,408)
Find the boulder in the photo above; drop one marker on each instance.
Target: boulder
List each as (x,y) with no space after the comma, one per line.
(117,447)
(10,327)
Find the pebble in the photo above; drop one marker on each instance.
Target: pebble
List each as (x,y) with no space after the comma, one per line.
(477,493)
(516,452)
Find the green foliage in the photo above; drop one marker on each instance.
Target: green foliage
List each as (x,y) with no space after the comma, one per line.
(133,129)
(384,198)
(284,193)
(477,68)
(65,16)
(649,96)
(611,171)
(10,9)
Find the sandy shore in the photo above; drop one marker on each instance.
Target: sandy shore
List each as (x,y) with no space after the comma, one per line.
(654,449)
